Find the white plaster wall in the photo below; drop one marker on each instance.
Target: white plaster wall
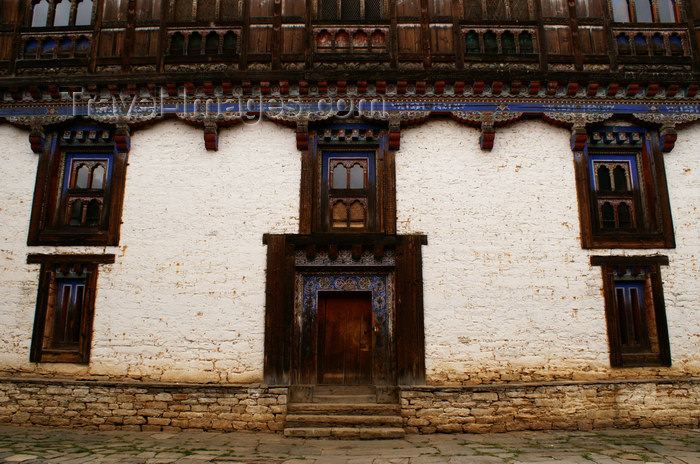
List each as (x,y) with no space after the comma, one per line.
(509,292)
(185,299)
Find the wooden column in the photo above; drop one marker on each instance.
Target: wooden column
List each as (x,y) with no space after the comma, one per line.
(279,310)
(409,326)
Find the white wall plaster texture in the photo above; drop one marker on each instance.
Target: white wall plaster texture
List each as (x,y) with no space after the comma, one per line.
(509,292)
(185,299)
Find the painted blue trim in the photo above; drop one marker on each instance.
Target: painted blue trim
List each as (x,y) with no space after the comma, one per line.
(613,157)
(156,107)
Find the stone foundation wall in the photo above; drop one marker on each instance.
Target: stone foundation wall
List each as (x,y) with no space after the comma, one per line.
(109,405)
(145,407)
(551,406)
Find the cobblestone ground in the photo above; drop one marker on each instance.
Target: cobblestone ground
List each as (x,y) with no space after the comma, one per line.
(60,446)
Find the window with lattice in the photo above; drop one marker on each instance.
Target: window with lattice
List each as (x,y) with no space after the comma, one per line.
(65,306)
(348,191)
(635,311)
(621,185)
(79,190)
(352,10)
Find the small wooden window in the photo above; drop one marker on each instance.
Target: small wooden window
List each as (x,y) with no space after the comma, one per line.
(635,310)
(65,307)
(352,10)
(623,198)
(348,192)
(644,11)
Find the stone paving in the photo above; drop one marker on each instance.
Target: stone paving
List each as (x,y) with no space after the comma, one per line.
(61,446)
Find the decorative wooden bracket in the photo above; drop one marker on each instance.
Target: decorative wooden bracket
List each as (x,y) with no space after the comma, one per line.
(122,138)
(488,134)
(394,135)
(37,138)
(668,136)
(579,137)
(302,134)
(211,136)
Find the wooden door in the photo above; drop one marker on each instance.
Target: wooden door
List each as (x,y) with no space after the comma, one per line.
(345,338)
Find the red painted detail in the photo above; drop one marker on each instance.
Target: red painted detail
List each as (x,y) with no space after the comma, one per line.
(302,140)
(486,140)
(208,87)
(362,86)
(515,87)
(652,90)
(342,86)
(672,90)
(572,89)
(247,87)
(381,86)
(478,87)
(632,90)
(172,89)
(439,87)
(534,88)
(552,87)
(459,87)
(53,90)
(303,88)
(692,90)
(668,140)
(226,87)
(189,87)
(401,87)
(34,92)
(265,88)
(420,87)
(612,89)
(37,143)
(284,87)
(211,141)
(578,140)
(497,88)
(592,89)
(121,141)
(394,140)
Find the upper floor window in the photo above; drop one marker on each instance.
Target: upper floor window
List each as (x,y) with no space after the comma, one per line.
(645,11)
(79,189)
(353,10)
(623,197)
(348,192)
(61,13)
(348,183)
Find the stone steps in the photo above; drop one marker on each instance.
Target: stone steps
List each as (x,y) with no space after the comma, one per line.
(348,433)
(337,420)
(343,412)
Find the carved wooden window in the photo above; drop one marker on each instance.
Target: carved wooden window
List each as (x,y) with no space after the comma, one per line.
(187,11)
(353,10)
(623,198)
(500,9)
(348,190)
(61,13)
(645,11)
(79,190)
(635,311)
(65,307)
